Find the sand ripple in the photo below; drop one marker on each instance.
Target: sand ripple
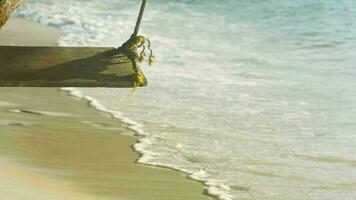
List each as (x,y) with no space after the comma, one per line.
(6,104)
(40,112)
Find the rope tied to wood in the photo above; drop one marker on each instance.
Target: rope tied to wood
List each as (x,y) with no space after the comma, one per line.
(131,46)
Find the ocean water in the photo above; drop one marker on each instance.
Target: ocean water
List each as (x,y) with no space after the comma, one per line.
(255,98)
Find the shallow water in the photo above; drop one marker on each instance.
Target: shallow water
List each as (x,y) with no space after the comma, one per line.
(255,97)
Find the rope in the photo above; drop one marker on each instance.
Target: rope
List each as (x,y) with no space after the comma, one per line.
(139,19)
(130,49)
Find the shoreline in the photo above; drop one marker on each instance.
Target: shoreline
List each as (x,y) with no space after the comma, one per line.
(23,111)
(210,190)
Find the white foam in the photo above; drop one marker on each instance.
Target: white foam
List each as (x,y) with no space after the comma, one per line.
(91,124)
(132,125)
(40,112)
(214,188)
(10,123)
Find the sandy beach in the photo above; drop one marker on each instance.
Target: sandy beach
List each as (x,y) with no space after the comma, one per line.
(53,146)
(22,32)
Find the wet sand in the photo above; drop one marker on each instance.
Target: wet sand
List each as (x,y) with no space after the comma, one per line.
(53,146)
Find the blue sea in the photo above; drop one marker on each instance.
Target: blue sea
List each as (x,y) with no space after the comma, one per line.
(255,98)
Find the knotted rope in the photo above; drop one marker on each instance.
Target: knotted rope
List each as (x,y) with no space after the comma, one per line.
(130,47)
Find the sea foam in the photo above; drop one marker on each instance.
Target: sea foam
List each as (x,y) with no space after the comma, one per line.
(214,188)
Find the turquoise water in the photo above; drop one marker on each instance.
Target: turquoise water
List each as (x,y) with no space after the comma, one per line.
(257,98)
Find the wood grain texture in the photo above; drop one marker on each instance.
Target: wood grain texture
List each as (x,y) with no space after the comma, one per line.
(25,66)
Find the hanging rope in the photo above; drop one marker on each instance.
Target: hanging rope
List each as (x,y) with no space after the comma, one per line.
(139,19)
(131,46)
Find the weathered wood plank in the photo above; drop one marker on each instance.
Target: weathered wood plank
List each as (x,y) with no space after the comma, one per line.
(24,66)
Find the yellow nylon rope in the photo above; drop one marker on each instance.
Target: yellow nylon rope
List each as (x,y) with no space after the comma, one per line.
(138,79)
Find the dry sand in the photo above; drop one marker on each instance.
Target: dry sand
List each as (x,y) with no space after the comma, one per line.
(53,146)
(21,32)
